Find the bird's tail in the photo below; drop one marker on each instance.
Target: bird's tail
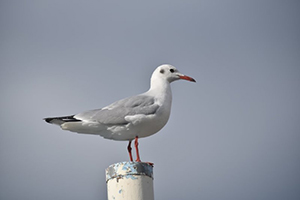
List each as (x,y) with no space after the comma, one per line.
(60,120)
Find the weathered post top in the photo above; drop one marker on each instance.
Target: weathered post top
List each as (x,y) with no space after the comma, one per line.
(128,169)
(130,180)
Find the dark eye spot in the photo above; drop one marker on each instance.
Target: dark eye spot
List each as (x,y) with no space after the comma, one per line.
(162,71)
(172,70)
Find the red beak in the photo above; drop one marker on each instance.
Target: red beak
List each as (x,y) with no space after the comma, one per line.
(187,78)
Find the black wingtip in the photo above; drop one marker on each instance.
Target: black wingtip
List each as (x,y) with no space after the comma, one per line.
(61,119)
(48,120)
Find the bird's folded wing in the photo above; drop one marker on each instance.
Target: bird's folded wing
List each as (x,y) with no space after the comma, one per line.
(115,113)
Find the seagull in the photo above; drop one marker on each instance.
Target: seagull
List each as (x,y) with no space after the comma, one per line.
(130,118)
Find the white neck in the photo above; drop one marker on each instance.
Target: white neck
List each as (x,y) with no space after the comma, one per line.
(161,89)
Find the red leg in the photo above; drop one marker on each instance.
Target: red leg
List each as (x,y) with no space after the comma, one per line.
(129,151)
(136,144)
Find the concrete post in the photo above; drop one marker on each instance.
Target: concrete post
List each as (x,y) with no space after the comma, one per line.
(130,181)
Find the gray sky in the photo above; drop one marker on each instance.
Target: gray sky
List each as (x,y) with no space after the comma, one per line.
(233,135)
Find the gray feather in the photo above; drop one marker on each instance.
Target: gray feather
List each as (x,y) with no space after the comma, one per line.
(116,112)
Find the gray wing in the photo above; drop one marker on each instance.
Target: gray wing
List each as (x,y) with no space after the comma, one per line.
(115,113)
